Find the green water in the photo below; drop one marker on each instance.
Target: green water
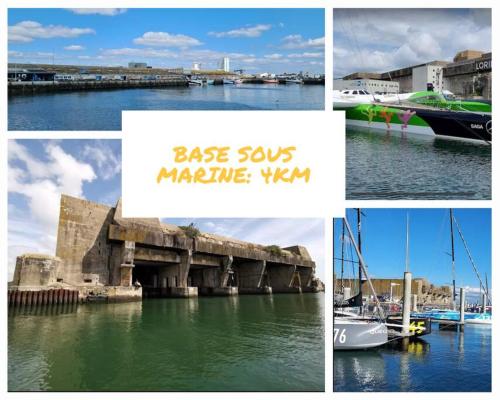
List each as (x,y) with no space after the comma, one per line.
(245,343)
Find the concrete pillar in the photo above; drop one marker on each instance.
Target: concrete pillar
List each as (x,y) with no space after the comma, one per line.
(226,270)
(462,305)
(484,302)
(406,303)
(184,266)
(127,264)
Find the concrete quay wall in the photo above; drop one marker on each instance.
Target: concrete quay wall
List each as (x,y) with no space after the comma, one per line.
(29,88)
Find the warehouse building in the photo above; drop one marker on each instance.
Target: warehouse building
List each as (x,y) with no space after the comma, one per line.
(467,76)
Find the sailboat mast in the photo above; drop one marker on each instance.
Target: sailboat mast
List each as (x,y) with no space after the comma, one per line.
(342,258)
(380,311)
(360,267)
(452,256)
(359,245)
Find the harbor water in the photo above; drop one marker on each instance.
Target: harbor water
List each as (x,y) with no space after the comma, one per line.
(444,361)
(392,165)
(101,110)
(241,343)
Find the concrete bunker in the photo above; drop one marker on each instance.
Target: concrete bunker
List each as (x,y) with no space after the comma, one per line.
(98,251)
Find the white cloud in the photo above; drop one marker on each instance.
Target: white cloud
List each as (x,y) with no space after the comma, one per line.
(27,31)
(247,32)
(74,47)
(306,55)
(108,163)
(386,39)
(275,56)
(127,51)
(40,183)
(298,42)
(164,39)
(110,12)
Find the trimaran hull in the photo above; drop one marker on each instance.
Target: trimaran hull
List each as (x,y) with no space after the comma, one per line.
(416,120)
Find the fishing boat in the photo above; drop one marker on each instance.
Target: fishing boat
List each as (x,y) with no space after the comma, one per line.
(226,81)
(426,113)
(270,81)
(238,81)
(296,81)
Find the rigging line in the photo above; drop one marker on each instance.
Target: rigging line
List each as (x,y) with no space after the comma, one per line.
(349,38)
(470,258)
(346,260)
(356,43)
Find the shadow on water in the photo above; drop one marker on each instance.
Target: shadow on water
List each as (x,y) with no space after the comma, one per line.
(262,343)
(396,165)
(444,361)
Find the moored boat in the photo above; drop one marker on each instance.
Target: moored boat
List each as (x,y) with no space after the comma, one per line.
(427,113)
(353,334)
(420,120)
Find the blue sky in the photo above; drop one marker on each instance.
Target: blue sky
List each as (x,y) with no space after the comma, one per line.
(384,243)
(380,40)
(256,40)
(41,170)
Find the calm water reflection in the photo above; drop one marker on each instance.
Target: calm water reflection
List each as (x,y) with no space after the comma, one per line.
(101,110)
(392,165)
(262,343)
(444,362)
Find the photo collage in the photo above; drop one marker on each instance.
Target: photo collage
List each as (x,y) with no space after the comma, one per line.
(248,200)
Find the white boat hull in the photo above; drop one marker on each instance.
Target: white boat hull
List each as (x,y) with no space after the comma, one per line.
(351,334)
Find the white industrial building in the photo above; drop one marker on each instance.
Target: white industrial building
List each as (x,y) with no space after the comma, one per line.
(424,75)
(370,85)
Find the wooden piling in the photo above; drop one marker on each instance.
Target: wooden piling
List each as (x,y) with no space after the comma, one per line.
(29,296)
